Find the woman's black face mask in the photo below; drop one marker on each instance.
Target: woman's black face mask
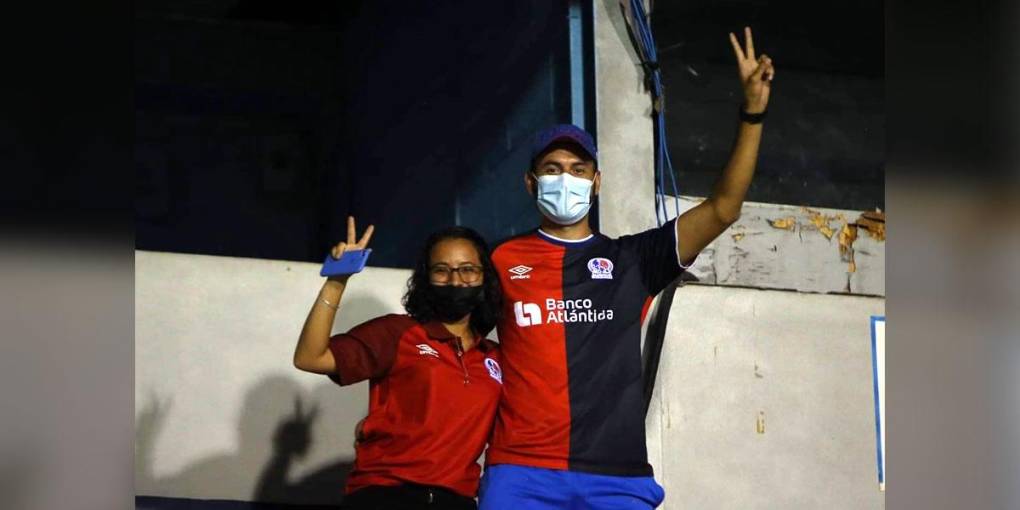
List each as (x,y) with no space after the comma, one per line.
(452,303)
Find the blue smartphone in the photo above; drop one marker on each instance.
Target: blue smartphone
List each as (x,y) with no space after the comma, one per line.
(352,261)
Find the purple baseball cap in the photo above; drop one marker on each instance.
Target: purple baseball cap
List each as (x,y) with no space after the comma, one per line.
(563,132)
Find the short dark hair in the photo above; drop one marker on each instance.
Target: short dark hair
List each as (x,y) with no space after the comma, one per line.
(416,302)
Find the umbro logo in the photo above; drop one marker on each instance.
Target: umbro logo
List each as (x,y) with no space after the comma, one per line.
(427,350)
(520,272)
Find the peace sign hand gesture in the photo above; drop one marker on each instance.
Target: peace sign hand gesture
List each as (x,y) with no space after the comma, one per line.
(294,436)
(756,73)
(351,244)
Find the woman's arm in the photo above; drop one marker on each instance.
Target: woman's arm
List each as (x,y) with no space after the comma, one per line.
(312,353)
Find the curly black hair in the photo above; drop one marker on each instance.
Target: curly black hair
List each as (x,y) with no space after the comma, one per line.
(416,302)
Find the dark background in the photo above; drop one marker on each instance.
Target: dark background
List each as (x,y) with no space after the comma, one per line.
(824,141)
(259,126)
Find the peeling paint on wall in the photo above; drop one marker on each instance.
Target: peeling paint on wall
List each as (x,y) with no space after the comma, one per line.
(821,222)
(847,236)
(788,223)
(873,223)
(800,248)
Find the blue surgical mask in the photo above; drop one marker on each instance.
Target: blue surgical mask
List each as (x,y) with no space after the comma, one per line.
(563,198)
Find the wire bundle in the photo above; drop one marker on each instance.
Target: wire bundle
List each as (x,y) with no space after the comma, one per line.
(653,75)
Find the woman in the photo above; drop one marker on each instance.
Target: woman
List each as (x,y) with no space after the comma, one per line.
(434,378)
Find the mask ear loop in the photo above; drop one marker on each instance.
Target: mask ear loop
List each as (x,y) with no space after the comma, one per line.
(533,187)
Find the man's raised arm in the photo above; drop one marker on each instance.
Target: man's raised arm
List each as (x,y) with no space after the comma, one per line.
(696,228)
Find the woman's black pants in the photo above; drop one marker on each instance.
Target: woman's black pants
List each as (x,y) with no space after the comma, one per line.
(406,497)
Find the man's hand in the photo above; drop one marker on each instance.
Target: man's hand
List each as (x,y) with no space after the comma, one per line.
(756,73)
(704,222)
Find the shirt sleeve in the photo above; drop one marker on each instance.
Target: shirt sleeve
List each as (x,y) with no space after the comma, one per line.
(657,256)
(367,351)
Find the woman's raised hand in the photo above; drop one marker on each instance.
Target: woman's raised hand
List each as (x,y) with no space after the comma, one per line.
(352,242)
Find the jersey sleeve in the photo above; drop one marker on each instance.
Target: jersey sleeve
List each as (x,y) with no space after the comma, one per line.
(657,256)
(367,351)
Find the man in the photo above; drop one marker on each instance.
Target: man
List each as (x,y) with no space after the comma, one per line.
(570,431)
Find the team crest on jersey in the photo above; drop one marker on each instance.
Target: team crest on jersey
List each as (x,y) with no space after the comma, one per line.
(494,371)
(601,268)
(427,350)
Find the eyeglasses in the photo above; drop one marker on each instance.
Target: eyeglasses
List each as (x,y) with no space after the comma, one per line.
(468,273)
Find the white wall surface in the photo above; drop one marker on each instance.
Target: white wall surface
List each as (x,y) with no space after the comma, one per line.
(801,256)
(624,127)
(214,380)
(800,361)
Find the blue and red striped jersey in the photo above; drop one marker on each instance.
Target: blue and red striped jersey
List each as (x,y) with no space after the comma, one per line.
(571,344)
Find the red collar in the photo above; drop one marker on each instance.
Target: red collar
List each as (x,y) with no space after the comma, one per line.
(437,331)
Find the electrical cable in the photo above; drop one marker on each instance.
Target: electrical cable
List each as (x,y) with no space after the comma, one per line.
(656,332)
(663,162)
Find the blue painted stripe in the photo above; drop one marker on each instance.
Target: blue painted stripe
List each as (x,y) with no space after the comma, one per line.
(878,415)
(576,64)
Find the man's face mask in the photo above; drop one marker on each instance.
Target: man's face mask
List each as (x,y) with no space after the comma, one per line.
(563,198)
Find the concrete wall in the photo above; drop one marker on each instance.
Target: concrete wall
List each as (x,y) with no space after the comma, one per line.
(623,115)
(800,363)
(216,395)
(809,249)
(215,390)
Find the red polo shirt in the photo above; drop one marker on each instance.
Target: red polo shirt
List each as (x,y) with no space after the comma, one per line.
(431,406)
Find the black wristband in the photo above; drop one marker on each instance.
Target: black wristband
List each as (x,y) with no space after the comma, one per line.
(752,118)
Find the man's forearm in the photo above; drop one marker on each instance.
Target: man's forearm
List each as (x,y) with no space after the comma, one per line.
(704,222)
(728,195)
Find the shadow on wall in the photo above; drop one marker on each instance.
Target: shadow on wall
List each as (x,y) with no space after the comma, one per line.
(277,422)
(275,400)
